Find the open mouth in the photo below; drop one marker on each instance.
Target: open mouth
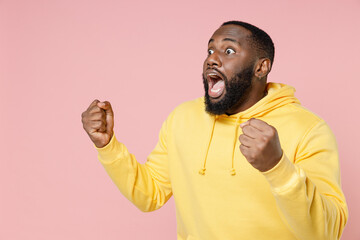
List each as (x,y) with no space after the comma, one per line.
(216,84)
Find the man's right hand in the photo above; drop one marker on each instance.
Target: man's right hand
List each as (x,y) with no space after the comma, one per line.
(98,122)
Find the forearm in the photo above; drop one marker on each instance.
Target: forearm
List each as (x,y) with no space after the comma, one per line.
(134,180)
(309,212)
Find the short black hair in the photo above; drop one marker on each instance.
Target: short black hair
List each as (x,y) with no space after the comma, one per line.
(261,40)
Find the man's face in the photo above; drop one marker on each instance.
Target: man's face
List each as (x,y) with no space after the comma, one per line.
(228,69)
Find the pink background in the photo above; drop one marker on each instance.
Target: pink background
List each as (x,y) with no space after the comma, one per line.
(145,57)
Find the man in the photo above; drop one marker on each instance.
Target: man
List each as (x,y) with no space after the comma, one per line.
(246,161)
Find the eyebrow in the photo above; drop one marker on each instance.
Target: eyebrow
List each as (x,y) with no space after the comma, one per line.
(225,39)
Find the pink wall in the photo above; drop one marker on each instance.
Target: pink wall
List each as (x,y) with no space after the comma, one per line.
(145,57)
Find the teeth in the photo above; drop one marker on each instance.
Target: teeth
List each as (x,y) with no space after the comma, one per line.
(215,91)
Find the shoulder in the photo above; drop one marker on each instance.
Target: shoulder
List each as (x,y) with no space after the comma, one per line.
(188,113)
(301,122)
(192,107)
(295,116)
(303,112)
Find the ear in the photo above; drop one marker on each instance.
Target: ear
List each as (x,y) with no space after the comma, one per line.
(262,68)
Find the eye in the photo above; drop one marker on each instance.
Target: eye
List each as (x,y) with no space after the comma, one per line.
(229,51)
(210,51)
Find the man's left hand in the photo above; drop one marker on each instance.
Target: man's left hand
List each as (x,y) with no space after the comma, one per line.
(260,144)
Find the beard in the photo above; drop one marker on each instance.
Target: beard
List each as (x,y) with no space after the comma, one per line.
(237,89)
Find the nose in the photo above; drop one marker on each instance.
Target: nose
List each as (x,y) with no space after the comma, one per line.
(213,60)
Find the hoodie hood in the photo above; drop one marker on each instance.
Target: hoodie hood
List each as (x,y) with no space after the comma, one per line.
(277,96)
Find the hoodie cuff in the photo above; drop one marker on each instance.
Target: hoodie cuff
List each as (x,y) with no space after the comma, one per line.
(109,151)
(282,176)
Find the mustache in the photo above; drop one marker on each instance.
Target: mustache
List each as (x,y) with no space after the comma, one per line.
(217,71)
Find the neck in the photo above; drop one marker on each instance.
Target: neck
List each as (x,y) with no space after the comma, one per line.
(257,92)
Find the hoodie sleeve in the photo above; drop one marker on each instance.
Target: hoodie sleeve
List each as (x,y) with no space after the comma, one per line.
(147,185)
(307,189)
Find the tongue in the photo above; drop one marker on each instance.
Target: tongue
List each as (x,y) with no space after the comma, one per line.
(217,89)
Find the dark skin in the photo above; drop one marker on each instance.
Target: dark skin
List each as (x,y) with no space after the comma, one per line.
(229,52)
(98,122)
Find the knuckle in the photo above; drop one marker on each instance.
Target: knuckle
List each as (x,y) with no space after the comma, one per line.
(242,148)
(84,120)
(94,109)
(245,128)
(241,138)
(272,130)
(86,128)
(84,114)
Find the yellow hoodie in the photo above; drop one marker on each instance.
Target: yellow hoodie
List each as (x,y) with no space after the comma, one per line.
(218,194)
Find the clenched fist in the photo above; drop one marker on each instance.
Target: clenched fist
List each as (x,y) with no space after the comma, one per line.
(260,144)
(98,122)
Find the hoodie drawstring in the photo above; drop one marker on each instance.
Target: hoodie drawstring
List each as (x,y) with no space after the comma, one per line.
(237,123)
(278,95)
(232,170)
(202,171)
